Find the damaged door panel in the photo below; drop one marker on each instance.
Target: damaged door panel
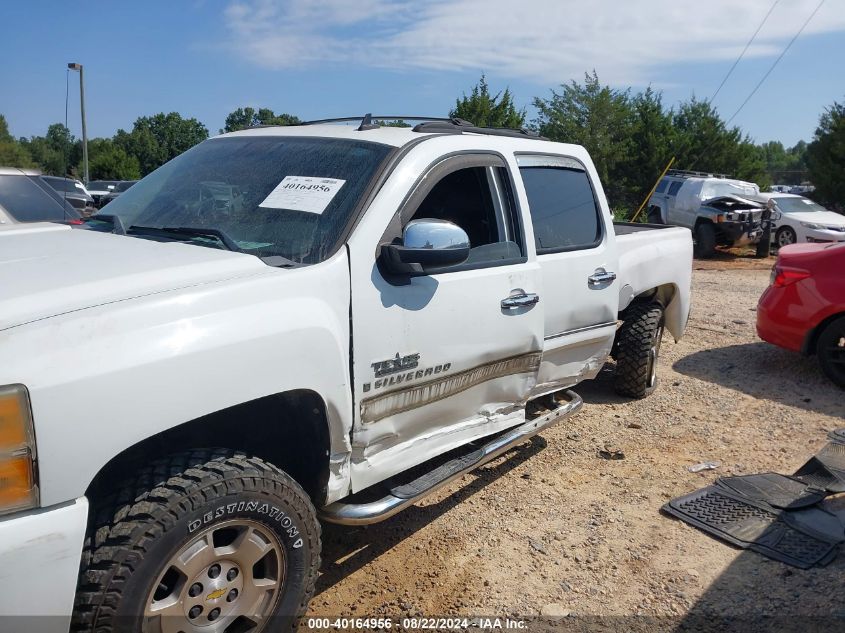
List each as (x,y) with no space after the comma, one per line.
(423,386)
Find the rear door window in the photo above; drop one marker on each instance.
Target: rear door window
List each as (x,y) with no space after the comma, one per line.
(662,186)
(562,203)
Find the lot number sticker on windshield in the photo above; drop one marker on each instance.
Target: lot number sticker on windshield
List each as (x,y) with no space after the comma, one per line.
(311,194)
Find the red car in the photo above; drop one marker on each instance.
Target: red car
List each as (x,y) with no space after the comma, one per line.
(804,307)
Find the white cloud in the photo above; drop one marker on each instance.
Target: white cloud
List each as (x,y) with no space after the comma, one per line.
(546,41)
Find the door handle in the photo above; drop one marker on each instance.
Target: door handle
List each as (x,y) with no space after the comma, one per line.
(600,277)
(520,301)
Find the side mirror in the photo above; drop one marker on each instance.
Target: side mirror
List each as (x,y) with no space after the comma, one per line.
(426,244)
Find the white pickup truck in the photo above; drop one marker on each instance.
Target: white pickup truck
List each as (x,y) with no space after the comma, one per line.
(292,324)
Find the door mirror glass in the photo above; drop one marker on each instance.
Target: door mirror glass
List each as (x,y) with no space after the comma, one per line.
(427,244)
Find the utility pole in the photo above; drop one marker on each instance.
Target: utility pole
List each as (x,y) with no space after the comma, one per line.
(74,66)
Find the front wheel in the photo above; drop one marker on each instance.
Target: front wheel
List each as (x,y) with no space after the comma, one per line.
(705,240)
(830,348)
(637,349)
(785,236)
(207,543)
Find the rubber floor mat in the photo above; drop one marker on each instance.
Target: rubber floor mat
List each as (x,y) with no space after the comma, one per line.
(837,435)
(751,525)
(827,468)
(778,491)
(818,522)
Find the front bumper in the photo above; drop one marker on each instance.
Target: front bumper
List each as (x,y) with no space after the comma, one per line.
(823,235)
(40,552)
(740,233)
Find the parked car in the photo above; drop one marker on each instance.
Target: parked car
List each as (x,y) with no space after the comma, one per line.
(798,219)
(196,397)
(718,210)
(25,196)
(73,191)
(119,188)
(803,309)
(99,188)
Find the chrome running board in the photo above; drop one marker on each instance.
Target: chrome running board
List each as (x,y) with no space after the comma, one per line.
(401,497)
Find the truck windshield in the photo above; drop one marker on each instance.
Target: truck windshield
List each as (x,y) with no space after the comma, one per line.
(273,195)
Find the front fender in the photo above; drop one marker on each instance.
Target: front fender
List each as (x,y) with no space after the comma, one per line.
(105,378)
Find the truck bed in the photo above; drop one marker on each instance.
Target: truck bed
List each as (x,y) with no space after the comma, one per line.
(651,256)
(626,228)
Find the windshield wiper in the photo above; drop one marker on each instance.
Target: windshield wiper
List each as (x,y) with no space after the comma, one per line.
(191,231)
(224,238)
(117,223)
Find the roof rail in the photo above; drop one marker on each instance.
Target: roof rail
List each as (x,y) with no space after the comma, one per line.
(683,173)
(431,124)
(371,117)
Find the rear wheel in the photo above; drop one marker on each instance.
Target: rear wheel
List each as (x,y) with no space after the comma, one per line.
(705,240)
(218,544)
(785,236)
(830,349)
(637,350)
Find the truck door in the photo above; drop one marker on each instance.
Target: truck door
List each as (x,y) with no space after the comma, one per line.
(440,360)
(576,250)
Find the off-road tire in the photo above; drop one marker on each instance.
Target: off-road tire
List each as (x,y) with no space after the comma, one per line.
(705,240)
(831,352)
(637,340)
(140,525)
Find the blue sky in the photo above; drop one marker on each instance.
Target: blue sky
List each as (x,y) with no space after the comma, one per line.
(320,58)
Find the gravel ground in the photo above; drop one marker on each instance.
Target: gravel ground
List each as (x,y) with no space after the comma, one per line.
(554,530)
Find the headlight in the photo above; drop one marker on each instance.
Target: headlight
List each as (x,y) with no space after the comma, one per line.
(811,225)
(18,484)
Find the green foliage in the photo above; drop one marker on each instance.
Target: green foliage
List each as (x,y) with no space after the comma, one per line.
(109,161)
(703,142)
(485,110)
(12,153)
(156,139)
(243,118)
(393,123)
(599,118)
(632,137)
(826,156)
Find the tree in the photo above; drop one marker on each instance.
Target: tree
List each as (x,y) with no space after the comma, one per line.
(485,110)
(243,118)
(601,119)
(156,139)
(826,156)
(392,123)
(703,142)
(108,161)
(12,153)
(651,146)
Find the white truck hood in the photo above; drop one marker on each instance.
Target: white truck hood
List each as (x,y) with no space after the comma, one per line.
(53,269)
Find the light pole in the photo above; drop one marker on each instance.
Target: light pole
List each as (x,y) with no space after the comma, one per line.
(74,66)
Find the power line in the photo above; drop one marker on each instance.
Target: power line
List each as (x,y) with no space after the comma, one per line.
(744,50)
(772,67)
(762,79)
